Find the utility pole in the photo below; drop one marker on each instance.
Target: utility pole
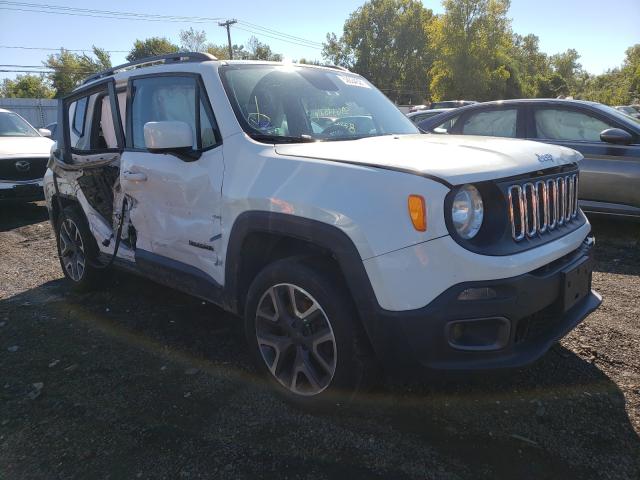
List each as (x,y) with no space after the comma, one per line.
(227,24)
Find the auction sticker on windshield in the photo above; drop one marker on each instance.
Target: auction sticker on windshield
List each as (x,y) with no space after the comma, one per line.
(354,81)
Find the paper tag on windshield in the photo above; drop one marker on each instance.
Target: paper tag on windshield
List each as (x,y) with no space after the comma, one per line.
(354,81)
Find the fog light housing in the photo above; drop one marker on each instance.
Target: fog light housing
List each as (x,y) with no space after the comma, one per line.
(479,334)
(483,293)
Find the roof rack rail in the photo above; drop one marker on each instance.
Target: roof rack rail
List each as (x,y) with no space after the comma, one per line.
(176,57)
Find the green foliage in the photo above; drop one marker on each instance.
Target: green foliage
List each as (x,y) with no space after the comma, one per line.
(193,40)
(468,52)
(388,42)
(151,47)
(69,68)
(472,38)
(257,50)
(26,86)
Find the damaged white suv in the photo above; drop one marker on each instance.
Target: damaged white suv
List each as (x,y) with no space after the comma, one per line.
(301,199)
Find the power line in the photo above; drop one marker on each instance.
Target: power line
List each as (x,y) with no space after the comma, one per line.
(48,8)
(121,15)
(278,38)
(271,30)
(101,16)
(61,48)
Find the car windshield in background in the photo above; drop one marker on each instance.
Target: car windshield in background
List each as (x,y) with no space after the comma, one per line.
(297,104)
(12,125)
(617,113)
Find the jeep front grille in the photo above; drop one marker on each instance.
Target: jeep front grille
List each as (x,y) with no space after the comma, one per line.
(537,207)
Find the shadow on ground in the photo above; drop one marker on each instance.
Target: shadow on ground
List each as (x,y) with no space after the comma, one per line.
(14,214)
(139,380)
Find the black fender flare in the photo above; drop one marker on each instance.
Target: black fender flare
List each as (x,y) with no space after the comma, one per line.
(328,237)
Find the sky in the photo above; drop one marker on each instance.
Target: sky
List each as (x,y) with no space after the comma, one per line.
(599,31)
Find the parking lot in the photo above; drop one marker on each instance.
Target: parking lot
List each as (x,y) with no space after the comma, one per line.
(138,381)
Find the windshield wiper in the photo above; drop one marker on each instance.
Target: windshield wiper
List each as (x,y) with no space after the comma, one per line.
(262,137)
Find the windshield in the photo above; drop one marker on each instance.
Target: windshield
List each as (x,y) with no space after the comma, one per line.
(277,103)
(617,114)
(12,125)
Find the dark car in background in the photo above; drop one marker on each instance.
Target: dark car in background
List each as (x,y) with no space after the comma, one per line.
(628,110)
(608,139)
(452,104)
(421,115)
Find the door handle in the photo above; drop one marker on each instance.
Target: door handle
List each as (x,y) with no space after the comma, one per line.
(134,176)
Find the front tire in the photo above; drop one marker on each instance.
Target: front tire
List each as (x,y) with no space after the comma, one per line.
(304,334)
(77,249)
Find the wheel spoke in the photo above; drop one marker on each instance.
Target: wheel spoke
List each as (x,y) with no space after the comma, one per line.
(298,365)
(308,371)
(279,345)
(65,244)
(280,307)
(324,335)
(323,363)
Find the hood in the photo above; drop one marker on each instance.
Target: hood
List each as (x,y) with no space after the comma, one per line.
(39,146)
(455,159)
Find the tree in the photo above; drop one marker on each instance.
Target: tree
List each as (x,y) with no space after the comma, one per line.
(26,86)
(618,86)
(256,50)
(473,39)
(70,68)
(388,42)
(567,66)
(532,65)
(193,40)
(151,47)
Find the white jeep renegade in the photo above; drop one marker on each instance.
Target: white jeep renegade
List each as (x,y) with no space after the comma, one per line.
(301,199)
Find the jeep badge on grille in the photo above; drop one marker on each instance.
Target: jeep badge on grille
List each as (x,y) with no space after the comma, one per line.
(544,157)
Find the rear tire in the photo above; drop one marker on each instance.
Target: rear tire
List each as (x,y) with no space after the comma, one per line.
(305,336)
(77,249)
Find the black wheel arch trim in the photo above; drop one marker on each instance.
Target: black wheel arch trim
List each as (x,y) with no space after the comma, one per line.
(328,237)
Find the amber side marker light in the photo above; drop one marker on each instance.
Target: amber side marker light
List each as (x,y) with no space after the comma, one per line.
(418,212)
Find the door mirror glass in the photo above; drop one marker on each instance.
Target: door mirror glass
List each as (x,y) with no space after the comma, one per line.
(45,132)
(617,136)
(167,136)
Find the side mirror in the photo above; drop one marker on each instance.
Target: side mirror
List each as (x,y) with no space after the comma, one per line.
(166,137)
(616,136)
(45,132)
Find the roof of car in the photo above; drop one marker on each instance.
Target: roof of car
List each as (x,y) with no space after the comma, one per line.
(533,100)
(431,111)
(188,57)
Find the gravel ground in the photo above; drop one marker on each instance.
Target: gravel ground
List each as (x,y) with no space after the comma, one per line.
(138,381)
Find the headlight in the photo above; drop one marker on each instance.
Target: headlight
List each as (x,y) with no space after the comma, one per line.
(467,211)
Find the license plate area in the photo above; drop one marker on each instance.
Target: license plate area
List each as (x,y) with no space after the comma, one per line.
(576,281)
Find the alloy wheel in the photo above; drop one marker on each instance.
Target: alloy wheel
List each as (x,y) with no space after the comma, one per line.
(295,339)
(72,251)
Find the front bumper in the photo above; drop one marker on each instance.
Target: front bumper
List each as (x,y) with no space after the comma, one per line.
(531,310)
(27,191)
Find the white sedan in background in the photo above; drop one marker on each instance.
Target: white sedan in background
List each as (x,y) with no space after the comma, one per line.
(24,153)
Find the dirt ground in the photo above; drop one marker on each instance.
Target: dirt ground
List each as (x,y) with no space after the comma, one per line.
(137,381)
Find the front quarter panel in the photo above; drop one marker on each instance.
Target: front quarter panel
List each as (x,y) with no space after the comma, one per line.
(368,204)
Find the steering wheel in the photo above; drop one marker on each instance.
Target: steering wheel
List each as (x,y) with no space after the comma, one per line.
(337,130)
(259,120)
